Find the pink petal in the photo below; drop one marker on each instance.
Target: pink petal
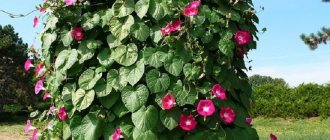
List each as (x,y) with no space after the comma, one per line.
(176,25)
(205,108)
(194,4)
(227,114)
(70,2)
(168,101)
(62,114)
(28,65)
(77,33)
(248,120)
(190,11)
(35,21)
(242,37)
(116,135)
(38,87)
(46,96)
(187,123)
(219,92)
(272,137)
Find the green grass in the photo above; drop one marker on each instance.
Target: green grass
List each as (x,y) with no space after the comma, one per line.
(306,129)
(13,131)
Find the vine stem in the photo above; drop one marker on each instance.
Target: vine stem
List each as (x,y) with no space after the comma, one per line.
(17,15)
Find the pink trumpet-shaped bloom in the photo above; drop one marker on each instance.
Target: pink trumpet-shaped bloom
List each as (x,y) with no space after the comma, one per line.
(272,137)
(168,101)
(192,8)
(187,123)
(176,25)
(219,92)
(227,114)
(35,135)
(40,70)
(39,86)
(28,126)
(116,135)
(70,2)
(194,4)
(62,114)
(166,30)
(35,21)
(46,96)
(205,108)
(248,120)
(51,110)
(28,65)
(42,10)
(77,33)
(242,37)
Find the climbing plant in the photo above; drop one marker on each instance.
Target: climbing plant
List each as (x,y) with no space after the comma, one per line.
(146,70)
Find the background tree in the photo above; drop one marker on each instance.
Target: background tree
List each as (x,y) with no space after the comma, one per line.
(15,84)
(259,80)
(315,39)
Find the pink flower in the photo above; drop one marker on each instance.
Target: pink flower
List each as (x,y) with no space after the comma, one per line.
(192,8)
(187,123)
(77,33)
(28,126)
(227,114)
(176,25)
(28,64)
(242,37)
(40,70)
(194,4)
(35,21)
(62,114)
(51,110)
(219,92)
(70,2)
(168,101)
(46,96)
(272,137)
(205,108)
(166,30)
(116,135)
(35,135)
(248,120)
(42,10)
(39,86)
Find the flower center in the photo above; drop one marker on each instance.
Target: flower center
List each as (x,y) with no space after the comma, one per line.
(241,38)
(206,108)
(188,122)
(169,102)
(78,34)
(226,115)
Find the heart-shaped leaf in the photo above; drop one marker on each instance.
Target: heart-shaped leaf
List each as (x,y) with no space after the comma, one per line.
(135,99)
(125,55)
(157,82)
(146,118)
(82,99)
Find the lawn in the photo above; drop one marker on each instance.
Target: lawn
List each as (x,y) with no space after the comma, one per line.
(307,129)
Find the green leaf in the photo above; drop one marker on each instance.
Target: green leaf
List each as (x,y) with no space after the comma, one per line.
(51,22)
(119,109)
(123,8)
(140,31)
(90,21)
(114,80)
(104,57)
(145,118)
(66,131)
(84,52)
(101,88)
(226,45)
(88,79)
(134,73)
(92,127)
(47,40)
(154,58)
(121,28)
(68,90)
(148,135)
(93,44)
(170,118)
(108,131)
(82,99)
(125,55)
(66,38)
(110,100)
(173,65)
(156,34)
(66,59)
(106,16)
(191,72)
(75,123)
(141,8)
(157,82)
(113,42)
(183,96)
(135,99)
(156,10)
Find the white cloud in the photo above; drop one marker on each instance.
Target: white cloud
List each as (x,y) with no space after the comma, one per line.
(318,72)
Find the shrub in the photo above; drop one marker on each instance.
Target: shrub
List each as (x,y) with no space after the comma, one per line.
(147,69)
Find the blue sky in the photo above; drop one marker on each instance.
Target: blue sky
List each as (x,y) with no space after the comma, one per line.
(280,51)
